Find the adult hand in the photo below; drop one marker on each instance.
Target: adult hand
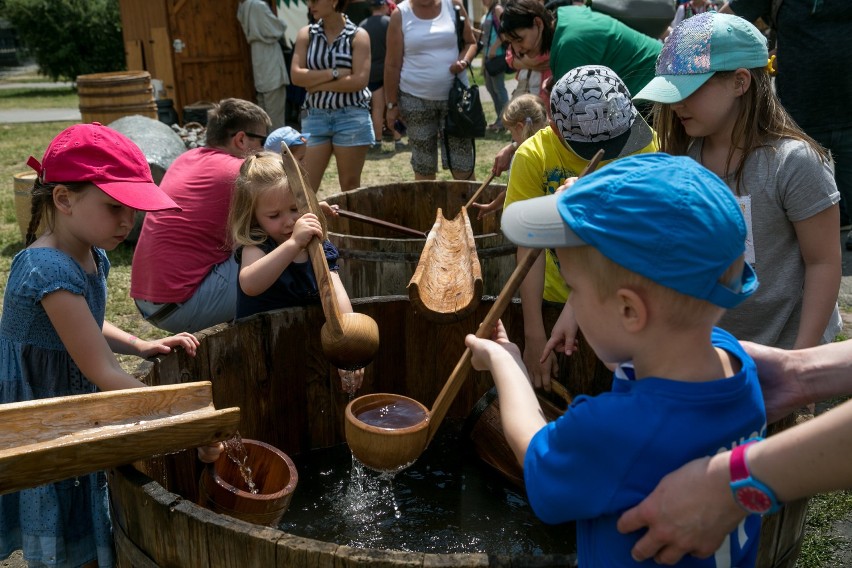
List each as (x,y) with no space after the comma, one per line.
(307,227)
(690,512)
(459,66)
(783,392)
(503,159)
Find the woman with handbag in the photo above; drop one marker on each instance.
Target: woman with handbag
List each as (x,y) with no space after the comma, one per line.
(423,58)
(494,66)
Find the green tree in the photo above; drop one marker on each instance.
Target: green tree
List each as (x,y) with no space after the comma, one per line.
(68,38)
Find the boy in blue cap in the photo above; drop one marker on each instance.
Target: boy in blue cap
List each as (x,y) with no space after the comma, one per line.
(652,248)
(290,137)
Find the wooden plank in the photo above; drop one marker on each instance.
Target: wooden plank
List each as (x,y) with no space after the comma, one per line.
(161,46)
(53,439)
(134,56)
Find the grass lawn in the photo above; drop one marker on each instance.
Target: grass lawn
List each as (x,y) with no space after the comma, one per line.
(19,141)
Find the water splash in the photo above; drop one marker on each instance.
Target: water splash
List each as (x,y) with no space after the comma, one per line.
(236,452)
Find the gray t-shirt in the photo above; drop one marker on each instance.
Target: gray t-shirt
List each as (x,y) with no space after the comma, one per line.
(783,183)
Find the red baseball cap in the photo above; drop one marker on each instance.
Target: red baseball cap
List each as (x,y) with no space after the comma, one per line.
(100,155)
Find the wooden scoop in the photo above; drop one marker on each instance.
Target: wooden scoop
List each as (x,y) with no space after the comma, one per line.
(51,439)
(447,284)
(349,341)
(389,449)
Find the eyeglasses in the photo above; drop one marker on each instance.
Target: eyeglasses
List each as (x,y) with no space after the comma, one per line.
(260,137)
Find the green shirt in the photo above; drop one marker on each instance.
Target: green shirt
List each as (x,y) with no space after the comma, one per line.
(585,37)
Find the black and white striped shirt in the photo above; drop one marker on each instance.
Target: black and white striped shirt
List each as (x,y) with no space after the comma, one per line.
(321,55)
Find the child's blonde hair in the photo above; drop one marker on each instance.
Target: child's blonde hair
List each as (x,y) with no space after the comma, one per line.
(528,110)
(678,310)
(761,120)
(260,173)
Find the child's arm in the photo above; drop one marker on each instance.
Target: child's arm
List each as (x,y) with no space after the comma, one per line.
(535,335)
(85,341)
(520,412)
(820,248)
(259,271)
(563,337)
(488,208)
(122,342)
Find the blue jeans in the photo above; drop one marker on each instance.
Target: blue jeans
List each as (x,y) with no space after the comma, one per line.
(496,87)
(347,126)
(214,302)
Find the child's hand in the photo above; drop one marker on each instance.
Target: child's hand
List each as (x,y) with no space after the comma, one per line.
(485,350)
(329,209)
(350,381)
(568,182)
(162,346)
(209,454)
(307,227)
(563,337)
(488,208)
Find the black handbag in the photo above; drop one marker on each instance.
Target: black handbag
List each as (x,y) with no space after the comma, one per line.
(465,117)
(496,65)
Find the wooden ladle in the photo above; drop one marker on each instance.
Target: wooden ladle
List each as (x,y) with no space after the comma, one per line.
(349,341)
(392,449)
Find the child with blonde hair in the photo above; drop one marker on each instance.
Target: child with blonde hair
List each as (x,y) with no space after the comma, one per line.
(715,103)
(54,340)
(647,290)
(270,237)
(523,116)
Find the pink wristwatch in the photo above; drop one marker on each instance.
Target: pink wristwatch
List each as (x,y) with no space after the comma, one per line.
(750,493)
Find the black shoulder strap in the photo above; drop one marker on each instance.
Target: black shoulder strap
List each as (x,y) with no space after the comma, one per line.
(773,14)
(459,27)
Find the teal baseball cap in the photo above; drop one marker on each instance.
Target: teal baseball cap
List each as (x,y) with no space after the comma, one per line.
(699,47)
(665,217)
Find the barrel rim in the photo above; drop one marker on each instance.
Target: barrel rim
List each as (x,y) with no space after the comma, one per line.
(114,77)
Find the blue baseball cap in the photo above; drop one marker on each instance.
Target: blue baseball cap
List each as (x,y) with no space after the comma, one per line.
(699,47)
(286,135)
(665,217)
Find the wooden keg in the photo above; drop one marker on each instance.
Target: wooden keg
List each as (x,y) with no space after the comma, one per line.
(105,97)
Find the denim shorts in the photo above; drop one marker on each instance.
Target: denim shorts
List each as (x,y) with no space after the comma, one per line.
(347,126)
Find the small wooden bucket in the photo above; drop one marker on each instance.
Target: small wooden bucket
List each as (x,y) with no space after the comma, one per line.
(485,432)
(105,97)
(273,473)
(23,200)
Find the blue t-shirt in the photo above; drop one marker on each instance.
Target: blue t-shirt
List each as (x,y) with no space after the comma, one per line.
(608,452)
(297,285)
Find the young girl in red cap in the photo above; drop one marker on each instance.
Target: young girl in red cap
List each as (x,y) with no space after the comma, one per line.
(54,340)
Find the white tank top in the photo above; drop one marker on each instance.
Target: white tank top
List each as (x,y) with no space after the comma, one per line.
(429,48)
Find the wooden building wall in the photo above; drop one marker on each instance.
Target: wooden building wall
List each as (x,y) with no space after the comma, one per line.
(195,47)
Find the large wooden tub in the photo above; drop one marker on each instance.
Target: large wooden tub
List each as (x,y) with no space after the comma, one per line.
(272,367)
(379,262)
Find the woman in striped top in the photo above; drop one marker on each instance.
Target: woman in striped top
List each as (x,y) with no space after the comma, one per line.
(331,61)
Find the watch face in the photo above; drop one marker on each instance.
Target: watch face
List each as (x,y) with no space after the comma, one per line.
(753,499)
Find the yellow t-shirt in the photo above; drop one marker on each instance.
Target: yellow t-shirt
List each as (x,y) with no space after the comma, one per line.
(541,164)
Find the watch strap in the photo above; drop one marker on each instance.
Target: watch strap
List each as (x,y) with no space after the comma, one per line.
(738,466)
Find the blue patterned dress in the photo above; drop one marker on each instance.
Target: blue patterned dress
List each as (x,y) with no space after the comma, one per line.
(64,523)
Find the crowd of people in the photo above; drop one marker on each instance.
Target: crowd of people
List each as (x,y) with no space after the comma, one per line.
(711,220)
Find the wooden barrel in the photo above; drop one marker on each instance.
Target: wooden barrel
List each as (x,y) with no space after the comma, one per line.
(375,261)
(23,200)
(105,97)
(291,398)
(224,490)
